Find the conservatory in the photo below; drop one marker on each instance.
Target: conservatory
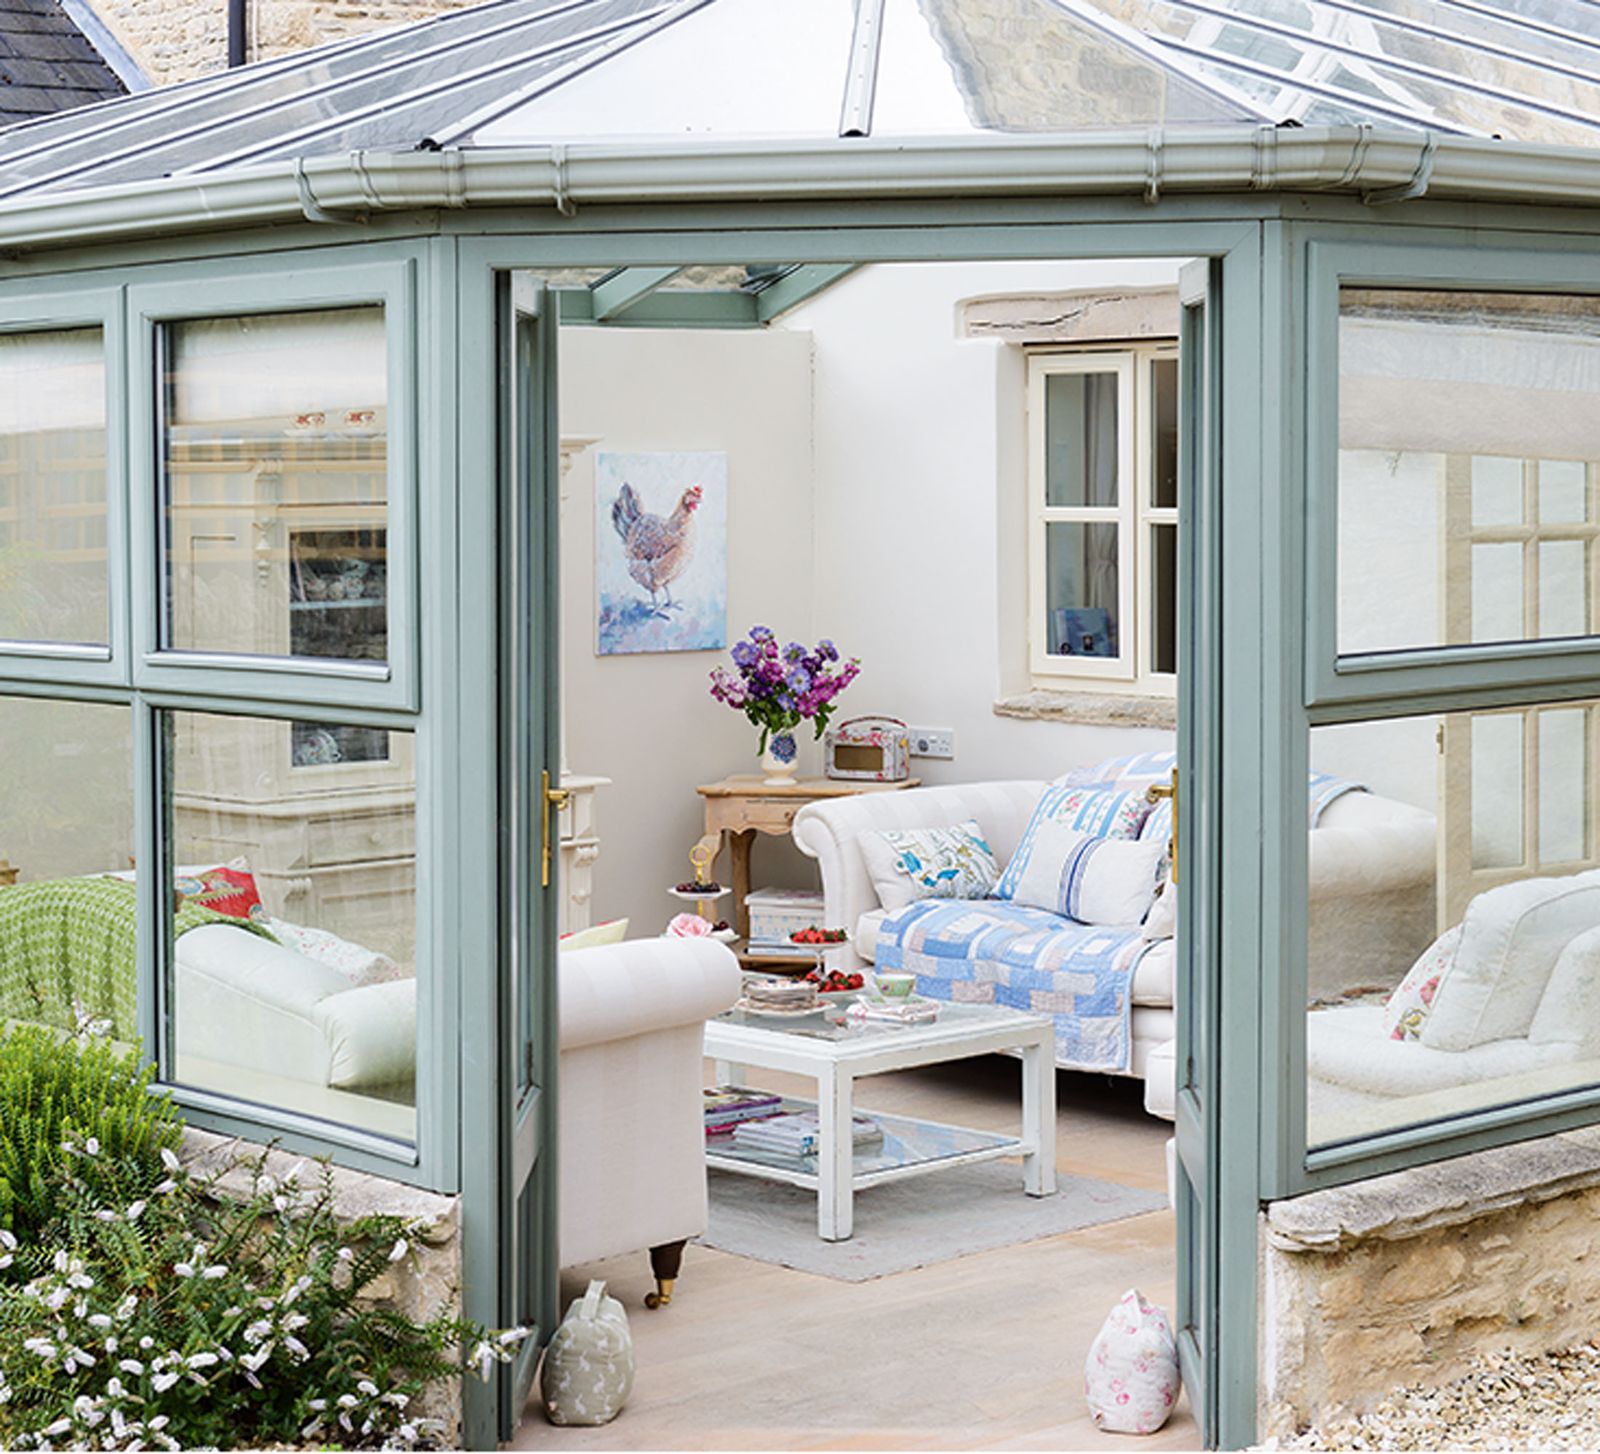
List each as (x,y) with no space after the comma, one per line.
(280,485)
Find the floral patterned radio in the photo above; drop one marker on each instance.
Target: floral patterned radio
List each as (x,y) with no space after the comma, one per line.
(868,749)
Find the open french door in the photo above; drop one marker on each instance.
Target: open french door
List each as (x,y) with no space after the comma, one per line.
(1197,1189)
(529,516)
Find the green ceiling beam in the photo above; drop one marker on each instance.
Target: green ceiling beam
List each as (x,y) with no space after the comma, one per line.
(793,288)
(613,296)
(673,308)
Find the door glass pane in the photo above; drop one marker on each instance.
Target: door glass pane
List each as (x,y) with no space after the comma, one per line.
(53,487)
(276,480)
(1563,598)
(1563,784)
(1563,491)
(1164,629)
(1080,423)
(1452,406)
(1081,592)
(1496,583)
(67,929)
(1450,967)
(302,994)
(1496,491)
(1164,433)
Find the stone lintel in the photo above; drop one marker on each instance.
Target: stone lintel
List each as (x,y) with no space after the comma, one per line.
(1095,315)
(1408,1203)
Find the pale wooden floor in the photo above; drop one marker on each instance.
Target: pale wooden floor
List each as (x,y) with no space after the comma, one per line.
(982,1352)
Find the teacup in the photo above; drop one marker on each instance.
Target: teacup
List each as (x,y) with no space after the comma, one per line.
(895,986)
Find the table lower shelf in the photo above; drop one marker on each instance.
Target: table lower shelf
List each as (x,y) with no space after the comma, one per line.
(909,1147)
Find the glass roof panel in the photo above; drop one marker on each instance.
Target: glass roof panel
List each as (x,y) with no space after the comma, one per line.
(731,68)
(952,66)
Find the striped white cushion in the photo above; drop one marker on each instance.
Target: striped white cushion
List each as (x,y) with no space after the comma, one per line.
(1097,812)
(1090,879)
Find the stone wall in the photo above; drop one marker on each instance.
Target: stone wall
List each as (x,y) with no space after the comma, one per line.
(1400,1280)
(177,42)
(427,1284)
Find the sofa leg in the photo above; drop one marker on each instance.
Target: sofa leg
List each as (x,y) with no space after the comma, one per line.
(666,1261)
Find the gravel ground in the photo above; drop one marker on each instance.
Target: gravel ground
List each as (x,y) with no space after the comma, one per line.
(1505,1401)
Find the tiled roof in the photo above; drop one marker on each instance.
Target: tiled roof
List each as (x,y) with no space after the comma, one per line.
(46,63)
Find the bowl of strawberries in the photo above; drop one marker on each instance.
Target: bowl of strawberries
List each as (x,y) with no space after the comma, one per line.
(835,981)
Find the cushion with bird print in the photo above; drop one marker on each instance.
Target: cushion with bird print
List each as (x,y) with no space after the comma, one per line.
(907,864)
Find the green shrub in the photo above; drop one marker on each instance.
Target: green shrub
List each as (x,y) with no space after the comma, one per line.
(54,1090)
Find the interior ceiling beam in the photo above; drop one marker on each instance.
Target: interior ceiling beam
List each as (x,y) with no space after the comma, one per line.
(613,296)
(794,287)
(676,308)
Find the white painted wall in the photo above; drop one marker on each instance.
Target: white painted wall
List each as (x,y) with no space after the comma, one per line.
(648,722)
(920,461)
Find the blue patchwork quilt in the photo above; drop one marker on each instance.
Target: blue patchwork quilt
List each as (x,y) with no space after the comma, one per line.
(992,951)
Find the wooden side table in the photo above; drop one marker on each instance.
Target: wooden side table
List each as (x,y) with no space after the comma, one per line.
(741,807)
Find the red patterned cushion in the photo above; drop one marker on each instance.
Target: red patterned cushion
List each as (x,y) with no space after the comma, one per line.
(229,891)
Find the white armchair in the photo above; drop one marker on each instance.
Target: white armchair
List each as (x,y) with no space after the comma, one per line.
(632,1125)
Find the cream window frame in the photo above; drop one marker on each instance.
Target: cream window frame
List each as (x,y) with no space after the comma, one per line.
(1133,668)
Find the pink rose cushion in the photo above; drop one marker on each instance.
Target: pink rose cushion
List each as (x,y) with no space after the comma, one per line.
(1131,1377)
(1412,1002)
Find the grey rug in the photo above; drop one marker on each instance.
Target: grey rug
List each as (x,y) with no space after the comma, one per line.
(912,1223)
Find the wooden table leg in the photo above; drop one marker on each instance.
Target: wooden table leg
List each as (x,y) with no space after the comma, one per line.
(741,844)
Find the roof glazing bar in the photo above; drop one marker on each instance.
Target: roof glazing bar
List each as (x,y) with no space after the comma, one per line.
(1520,22)
(1467,42)
(460,130)
(861,77)
(220,123)
(616,294)
(1356,100)
(1386,62)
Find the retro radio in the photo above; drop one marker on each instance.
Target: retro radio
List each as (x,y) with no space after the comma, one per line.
(868,749)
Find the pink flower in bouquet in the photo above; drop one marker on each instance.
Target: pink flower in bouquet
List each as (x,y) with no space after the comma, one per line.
(689,926)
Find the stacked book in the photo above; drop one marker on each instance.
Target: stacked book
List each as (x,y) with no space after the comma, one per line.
(728,1106)
(797,1133)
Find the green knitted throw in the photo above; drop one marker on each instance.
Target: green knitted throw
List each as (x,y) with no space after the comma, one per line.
(73,941)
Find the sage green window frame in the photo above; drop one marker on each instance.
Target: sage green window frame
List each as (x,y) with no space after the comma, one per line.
(25,310)
(1369,687)
(130,302)
(283,285)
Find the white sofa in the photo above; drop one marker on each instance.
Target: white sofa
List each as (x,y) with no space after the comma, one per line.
(1372,884)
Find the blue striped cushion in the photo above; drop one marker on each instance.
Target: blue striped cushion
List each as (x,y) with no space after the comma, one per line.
(1101,813)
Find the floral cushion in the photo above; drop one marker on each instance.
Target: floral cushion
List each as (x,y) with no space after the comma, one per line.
(1097,812)
(1412,1001)
(225,890)
(358,964)
(907,864)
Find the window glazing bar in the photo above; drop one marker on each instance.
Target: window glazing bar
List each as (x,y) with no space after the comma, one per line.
(861,76)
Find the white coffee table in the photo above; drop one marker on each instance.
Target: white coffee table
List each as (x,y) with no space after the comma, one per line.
(836,1054)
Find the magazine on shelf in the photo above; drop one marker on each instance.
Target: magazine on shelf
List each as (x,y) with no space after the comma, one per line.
(726,1106)
(797,1133)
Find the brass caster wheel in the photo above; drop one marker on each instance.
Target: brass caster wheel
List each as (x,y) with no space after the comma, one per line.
(662,1296)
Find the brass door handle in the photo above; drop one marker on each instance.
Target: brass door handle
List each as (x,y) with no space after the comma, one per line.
(554,800)
(1154,794)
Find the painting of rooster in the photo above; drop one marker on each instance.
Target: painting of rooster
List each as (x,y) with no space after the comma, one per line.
(661,552)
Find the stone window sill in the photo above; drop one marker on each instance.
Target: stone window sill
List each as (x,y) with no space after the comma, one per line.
(1093,709)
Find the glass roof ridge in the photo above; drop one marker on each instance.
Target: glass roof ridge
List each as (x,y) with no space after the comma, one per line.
(216,124)
(588,38)
(1152,48)
(1387,62)
(462,128)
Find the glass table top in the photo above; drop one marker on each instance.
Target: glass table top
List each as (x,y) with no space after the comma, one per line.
(830,1022)
(904,1142)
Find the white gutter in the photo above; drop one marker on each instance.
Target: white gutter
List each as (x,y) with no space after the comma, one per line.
(1377,164)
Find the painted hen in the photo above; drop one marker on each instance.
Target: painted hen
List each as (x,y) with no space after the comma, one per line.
(658,549)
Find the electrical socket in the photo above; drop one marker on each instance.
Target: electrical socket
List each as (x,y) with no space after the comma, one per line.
(933,741)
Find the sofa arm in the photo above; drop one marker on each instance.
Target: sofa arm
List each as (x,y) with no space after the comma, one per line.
(618,991)
(1368,844)
(829,832)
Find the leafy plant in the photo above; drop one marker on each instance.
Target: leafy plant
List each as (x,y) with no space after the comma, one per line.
(84,1091)
(188,1319)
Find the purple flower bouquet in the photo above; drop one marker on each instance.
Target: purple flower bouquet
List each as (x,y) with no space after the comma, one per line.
(779,687)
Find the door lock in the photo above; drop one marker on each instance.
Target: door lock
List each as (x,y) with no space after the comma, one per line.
(553,801)
(1154,794)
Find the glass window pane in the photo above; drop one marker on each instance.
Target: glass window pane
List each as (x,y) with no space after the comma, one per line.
(67,929)
(1450,404)
(1563,491)
(1453,955)
(1164,629)
(1080,439)
(304,996)
(1081,589)
(53,487)
(276,478)
(1164,434)
(1563,588)
(1496,491)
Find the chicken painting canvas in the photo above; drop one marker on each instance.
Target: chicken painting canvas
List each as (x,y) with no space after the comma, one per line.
(661,552)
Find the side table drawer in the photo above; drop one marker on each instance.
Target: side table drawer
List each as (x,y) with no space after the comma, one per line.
(357,837)
(766,815)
